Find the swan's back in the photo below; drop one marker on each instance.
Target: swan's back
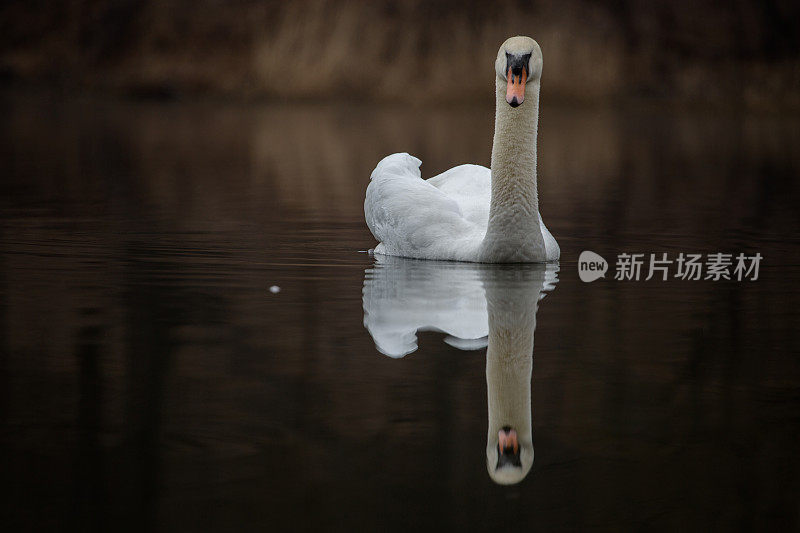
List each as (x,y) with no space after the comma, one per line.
(470,186)
(413,218)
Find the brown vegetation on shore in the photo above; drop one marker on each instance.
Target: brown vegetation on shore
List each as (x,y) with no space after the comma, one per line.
(405,50)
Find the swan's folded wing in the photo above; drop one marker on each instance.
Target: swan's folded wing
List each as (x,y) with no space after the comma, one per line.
(409,215)
(470,186)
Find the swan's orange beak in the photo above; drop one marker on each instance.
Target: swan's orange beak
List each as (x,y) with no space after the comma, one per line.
(515,93)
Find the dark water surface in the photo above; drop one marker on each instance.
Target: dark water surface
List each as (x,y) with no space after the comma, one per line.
(150,380)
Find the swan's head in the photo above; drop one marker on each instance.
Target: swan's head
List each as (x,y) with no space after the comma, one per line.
(519,62)
(509,456)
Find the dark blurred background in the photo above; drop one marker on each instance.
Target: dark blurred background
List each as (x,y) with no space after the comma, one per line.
(739,53)
(163,164)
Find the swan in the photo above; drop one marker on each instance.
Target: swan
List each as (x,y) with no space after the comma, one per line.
(477,306)
(471,213)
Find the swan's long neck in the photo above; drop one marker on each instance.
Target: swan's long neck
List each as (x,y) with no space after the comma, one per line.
(513,233)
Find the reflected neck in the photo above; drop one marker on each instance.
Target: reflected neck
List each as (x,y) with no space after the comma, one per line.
(513,232)
(509,357)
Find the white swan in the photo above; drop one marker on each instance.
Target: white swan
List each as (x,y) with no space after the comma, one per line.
(476,305)
(471,213)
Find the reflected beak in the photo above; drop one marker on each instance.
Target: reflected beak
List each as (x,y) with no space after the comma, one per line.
(507,448)
(507,441)
(515,93)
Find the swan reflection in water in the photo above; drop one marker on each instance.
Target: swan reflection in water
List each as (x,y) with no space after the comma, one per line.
(476,306)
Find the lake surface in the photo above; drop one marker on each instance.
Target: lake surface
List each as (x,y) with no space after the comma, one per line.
(152,380)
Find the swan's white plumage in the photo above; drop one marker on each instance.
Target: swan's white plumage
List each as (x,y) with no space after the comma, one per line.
(471,188)
(413,218)
(444,217)
(471,213)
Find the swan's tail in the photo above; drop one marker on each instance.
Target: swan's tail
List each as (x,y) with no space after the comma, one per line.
(402,165)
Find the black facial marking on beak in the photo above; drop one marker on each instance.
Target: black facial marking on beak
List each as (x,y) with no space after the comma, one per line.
(507,459)
(517,64)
